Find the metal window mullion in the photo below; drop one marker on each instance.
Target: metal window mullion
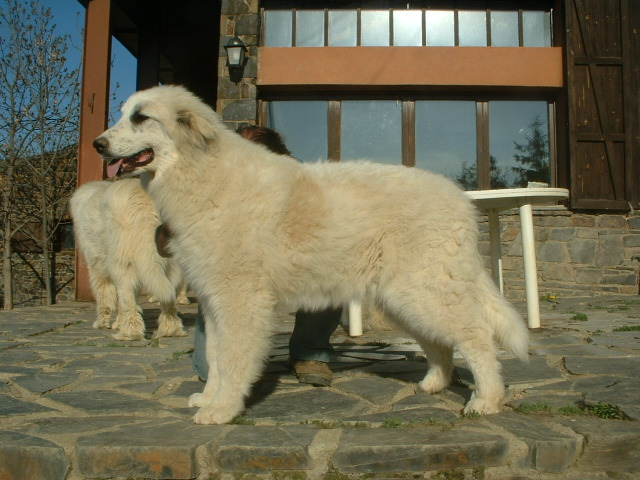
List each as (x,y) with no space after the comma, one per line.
(456,28)
(391,27)
(409,133)
(294,21)
(326,27)
(520,28)
(483,153)
(333,130)
(359,27)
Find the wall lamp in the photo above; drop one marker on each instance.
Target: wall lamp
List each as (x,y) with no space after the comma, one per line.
(236,51)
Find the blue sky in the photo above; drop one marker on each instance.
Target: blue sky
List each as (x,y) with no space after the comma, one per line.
(68,16)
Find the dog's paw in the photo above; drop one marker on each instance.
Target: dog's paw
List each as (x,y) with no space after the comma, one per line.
(102,323)
(199,400)
(128,336)
(212,414)
(482,406)
(174,332)
(433,384)
(183,299)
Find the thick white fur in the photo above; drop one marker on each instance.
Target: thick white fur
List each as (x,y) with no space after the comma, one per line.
(254,231)
(114,224)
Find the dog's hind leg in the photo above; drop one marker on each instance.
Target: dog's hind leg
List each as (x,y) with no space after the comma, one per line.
(169,324)
(129,320)
(106,299)
(243,327)
(440,358)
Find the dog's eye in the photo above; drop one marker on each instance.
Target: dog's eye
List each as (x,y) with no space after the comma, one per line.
(137,117)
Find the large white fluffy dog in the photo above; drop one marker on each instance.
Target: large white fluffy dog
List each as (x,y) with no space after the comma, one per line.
(114,225)
(254,231)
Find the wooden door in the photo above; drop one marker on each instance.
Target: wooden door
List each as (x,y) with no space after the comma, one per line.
(603,103)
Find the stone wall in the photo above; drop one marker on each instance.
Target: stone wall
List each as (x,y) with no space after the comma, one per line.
(237,103)
(577,254)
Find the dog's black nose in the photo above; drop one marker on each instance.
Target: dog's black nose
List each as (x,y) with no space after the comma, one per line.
(100,144)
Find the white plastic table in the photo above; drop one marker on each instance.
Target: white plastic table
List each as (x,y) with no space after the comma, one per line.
(492,202)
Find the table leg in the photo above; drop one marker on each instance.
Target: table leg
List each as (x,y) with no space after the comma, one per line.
(355,319)
(496,248)
(530,269)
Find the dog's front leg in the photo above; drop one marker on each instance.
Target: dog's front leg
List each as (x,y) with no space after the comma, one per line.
(213,379)
(243,325)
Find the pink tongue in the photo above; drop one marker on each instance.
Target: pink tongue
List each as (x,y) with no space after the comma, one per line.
(113,169)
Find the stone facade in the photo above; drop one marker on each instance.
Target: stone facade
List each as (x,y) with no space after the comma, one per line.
(237,103)
(577,254)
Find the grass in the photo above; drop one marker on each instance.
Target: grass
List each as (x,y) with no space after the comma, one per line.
(581,317)
(628,328)
(180,354)
(605,410)
(600,410)
(240,420)
(537,407)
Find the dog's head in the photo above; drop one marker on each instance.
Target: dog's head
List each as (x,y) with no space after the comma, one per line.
(155,125)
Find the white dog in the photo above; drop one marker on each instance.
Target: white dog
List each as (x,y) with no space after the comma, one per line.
(254,231)
(114,225)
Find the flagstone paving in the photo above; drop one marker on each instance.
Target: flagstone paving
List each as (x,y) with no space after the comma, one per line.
(77,404)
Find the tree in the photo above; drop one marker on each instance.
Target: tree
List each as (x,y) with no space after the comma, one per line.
(38,132)
(533,156)
(468,178)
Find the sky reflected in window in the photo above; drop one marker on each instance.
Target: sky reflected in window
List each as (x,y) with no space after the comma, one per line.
(303,125)
(446,136)
(372,129)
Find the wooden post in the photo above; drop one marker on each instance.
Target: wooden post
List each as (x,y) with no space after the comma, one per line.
(94,109)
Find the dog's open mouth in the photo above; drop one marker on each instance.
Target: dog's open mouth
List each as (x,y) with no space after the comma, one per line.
(121,166)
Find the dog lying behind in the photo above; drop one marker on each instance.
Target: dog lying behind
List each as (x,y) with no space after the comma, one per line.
(114,225)
(254,231)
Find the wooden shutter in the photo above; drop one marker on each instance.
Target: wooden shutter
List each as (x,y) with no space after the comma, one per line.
(603,103)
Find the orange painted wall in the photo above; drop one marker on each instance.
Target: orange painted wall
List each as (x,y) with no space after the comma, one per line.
(410,66)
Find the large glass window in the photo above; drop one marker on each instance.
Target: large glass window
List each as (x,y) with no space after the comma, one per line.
(472,27)
(303,126)
(504,29)
(309,28)
(278,28)
(442,28)
(343,28)
(519,143)
(446,139)
(407,28)
(375,28)
(371,129)
(514,136)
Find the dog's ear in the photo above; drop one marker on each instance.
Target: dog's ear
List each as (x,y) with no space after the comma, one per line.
(199,131)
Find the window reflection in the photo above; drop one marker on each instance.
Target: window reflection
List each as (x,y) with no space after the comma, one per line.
(372,129)
(278,28)
(504,29)
(303,125)
(440,32)
(519,143)
(343,28)
(446,139)
(309,28)
(407,28)
(536,29)
(375,28)
(472,27)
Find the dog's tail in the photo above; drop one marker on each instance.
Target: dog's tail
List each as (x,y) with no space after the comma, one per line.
(509,329)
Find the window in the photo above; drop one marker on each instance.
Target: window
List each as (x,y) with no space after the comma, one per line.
(407,27)
(303,126)
(480,144)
